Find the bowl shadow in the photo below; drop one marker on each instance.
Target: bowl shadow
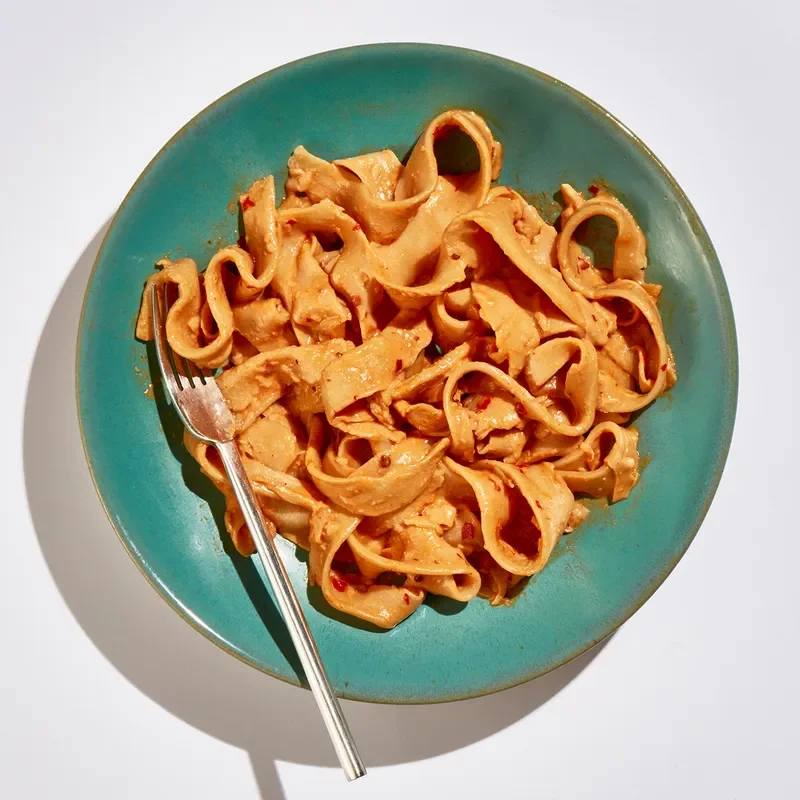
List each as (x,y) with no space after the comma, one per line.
(165,658)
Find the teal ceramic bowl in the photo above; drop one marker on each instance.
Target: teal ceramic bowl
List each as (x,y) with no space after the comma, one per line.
(168,516)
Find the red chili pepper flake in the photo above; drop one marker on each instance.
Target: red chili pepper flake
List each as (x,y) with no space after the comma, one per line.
(594,317)
(484,402)
(385,461)
(356,227)
(663,367)
(524,464)
(398,365)
(247,203)
(357,301)
(538,504)
(594,188)
(338,583)
(455,256)
(520,409)
(584,263)
(467,531)
(406,599)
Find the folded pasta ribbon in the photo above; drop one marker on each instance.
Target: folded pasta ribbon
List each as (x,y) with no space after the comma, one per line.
(390,480)
(605,465)
(382,195)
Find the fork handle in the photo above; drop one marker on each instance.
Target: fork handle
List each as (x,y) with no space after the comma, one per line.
(293,615)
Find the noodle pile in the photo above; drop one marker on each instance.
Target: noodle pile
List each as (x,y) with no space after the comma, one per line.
(423,373)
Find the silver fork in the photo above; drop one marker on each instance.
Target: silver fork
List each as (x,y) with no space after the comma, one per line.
(199,403)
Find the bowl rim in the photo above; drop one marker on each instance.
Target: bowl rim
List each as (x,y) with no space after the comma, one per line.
(726,313)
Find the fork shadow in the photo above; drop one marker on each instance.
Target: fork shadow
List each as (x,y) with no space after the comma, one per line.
(161,655)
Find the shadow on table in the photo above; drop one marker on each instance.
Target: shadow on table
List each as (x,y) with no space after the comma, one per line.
(161,655)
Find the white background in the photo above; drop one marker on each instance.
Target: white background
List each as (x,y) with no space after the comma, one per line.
(106,693)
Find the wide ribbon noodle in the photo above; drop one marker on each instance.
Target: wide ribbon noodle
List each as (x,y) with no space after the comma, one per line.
(424,374)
